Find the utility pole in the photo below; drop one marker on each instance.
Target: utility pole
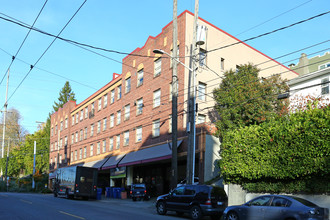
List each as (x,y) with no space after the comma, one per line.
(34,163)
(175,100)
(4,118)
(7,165)
(192,106)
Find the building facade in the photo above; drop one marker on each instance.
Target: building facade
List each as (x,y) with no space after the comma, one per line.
(124,129)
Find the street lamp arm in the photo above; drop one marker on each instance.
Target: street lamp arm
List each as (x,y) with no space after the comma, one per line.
(159,51)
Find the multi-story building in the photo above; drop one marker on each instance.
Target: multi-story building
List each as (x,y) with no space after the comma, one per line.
(124,129)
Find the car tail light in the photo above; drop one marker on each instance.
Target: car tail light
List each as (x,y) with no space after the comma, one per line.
(131,192)
(208,202)
(60,190)
(94,187)
(76,184)
(145,191)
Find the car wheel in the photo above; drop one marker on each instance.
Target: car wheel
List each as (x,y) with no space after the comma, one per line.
(179,213)
(232,216)
(161,208)
(196,212)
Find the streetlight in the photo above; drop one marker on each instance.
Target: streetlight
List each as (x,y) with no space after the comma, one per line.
(159,51)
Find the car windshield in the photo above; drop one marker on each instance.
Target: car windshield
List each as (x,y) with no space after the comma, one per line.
(304,202)
(139,186)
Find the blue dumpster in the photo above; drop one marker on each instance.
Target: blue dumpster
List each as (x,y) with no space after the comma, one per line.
(99,193)
(107,192)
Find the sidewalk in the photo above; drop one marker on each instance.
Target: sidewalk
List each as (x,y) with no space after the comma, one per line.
(150,204)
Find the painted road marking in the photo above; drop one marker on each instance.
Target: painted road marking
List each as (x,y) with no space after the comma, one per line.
(65,213)
(25,201)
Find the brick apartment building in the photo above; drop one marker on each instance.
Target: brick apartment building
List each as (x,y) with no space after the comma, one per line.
(124,129)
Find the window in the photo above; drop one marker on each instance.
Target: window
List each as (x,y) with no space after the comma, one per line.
(81,114)
(325,86)
(71,155)
(112,120)
(138,134)
(56,145)
(85,137)
(104,124)
(157,67)
(60,145)
(222,64)
(201,91)
(170,124)
(66,123)
(155,128)
(111,144)
(75,155)
(140,77)
(280,202)
(98,126)
(91,150)
(52,131)
(86,112)
(202,57)
(99,104)
(55,129)
(76,136)
(66,140)
(55,160)
(139,106)
(51,147)
(112,97)
(98,148)
(237,68)
(105,101)
(126,138)
(128,85)
(60,160)
(323,66)
(127,112)
(72,138)
(118,117)
(260,201)
(156,98)
(92,130)
(81,134)
(104,146)
(119,92)
(80,153)
(72,120)
(92,107)
(85,152)
(117,141)
(201,119)
(61,125)
(77,118)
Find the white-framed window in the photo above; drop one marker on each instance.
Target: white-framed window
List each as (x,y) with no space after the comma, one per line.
(112,96)
(81,134)
(66,123)
(60,161)
(80,153)
(52,131)
(222,64)
(138,134)
(86,130)
(77,118)
(60,145)
(139,106)
(112,120)
(51,147)
(91,150)
(92,130)
(128,85)
(51,161)
(127,112)
(156,101)
(86,112)
(117,141)
(201,91)
(323,66)
(55,160)
(105,100)
(104,146)
(140,77)
(126,138)
(98,126)
(61,125)
(170,124)
(76,136)
(156,128)
(157,67)
(56,145)
(92,107)
(104,124)
(118,117)
(85,152)
(72,156)
(72,138)
(119,92)
(325,86)
(75,155)
(110,143)
(72,120)
(98,148)
(66,140)
(201,118)
(99,104)
(81,114)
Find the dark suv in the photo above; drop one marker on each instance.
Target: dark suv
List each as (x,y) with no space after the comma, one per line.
(197,200)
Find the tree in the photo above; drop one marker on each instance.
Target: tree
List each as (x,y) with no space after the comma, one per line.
(66,94)
(244,99)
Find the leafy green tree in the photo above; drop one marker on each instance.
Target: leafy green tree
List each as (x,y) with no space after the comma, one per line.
(243,98)
(66,94)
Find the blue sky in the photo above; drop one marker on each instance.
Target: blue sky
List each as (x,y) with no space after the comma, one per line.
(124,26)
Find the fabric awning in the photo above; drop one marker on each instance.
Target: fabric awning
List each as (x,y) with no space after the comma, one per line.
(112,162)
(159,152)
(95,164)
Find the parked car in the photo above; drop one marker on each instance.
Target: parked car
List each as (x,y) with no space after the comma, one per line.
(196,200)
(184,182)
(276,207)
(139,191)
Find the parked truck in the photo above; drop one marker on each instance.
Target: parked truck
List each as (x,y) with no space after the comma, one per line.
(75,181)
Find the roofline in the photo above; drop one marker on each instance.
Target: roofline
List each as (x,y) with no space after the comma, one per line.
(309,76)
